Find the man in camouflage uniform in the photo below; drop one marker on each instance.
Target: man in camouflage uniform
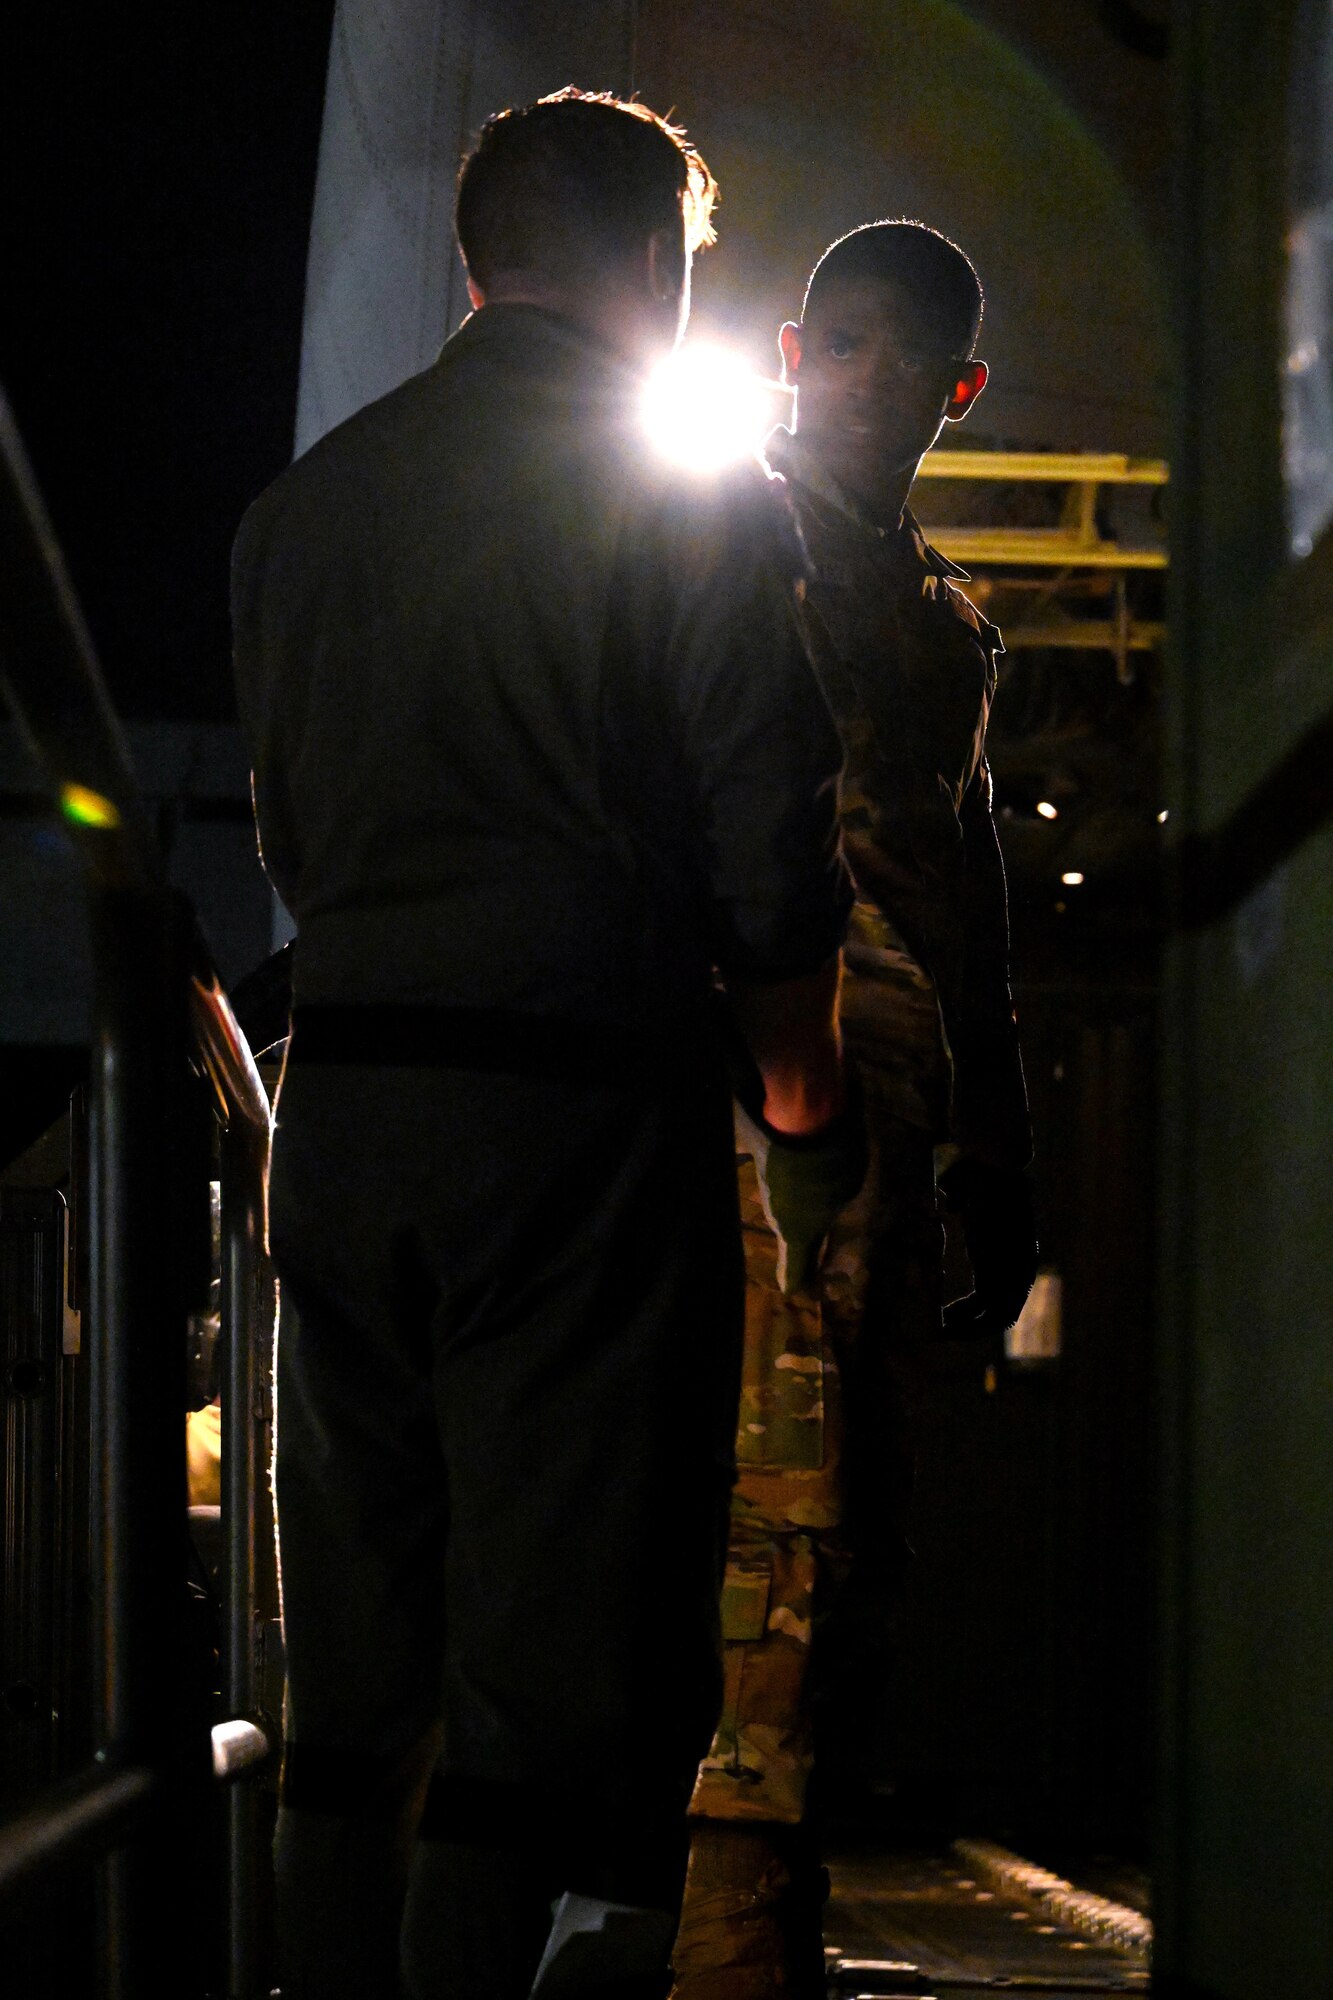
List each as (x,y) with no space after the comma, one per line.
(882,358)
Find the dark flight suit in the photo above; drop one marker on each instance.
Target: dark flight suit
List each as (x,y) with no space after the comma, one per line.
(824,1445)
(536,746)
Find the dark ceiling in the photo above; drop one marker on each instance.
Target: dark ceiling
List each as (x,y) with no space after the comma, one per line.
(155,224)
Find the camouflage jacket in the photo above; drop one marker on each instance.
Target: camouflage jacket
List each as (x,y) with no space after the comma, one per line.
(908,668)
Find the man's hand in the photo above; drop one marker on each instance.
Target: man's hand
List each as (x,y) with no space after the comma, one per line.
(805,1181)
(801,1113)
(791,1031)
(994,1205)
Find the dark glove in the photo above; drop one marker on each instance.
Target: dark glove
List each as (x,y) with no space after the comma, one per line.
(805,1182)
(994,1205)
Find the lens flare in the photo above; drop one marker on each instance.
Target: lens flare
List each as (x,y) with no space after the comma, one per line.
(704,408)
(84,807)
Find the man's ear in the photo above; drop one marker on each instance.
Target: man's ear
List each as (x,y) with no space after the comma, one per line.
(475,294)
(666,263)
(789,346)
(972,379)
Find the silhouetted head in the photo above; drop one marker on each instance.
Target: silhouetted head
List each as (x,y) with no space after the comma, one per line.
(882,357)
(590,204)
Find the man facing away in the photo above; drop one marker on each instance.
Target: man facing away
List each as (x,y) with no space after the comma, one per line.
(883,357)
(538,757)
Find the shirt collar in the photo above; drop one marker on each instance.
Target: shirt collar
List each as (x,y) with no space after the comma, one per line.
(788,454)
(542,339)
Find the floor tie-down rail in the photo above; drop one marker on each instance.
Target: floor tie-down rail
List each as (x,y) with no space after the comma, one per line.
(973,1922)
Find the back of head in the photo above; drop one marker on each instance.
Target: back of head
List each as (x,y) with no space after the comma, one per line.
(568,187)
(935,277)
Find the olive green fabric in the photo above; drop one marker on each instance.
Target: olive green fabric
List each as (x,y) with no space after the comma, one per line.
(908,666)
(531,719)
(824,1444)
(535,736)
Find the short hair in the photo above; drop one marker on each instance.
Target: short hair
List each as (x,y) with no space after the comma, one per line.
(938,277)
(578,179)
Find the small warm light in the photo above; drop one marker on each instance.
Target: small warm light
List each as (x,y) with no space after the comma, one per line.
(87,808)
(1036,1334)
(1047,810)
(1072,877)
(1163,816)
(705,408)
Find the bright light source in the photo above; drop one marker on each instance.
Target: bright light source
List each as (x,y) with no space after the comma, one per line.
(1163,816)
(1072,878)
(1047,810)
(704,408)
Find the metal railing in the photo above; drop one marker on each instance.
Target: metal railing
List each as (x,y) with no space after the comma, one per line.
(1077,541)
(1059,572)
(159,1013)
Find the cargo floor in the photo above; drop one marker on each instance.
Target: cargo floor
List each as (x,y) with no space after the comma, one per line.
(938,1923)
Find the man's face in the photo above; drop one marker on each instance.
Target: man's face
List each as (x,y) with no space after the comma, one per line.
(872,389)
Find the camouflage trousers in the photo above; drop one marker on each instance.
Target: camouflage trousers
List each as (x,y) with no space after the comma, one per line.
(824,1449)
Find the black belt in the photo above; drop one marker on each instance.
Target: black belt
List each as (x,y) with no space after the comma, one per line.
(482,1038)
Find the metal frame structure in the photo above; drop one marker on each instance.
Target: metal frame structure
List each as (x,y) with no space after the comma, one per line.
(1077,541)
(161,1021)
(1071,560)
